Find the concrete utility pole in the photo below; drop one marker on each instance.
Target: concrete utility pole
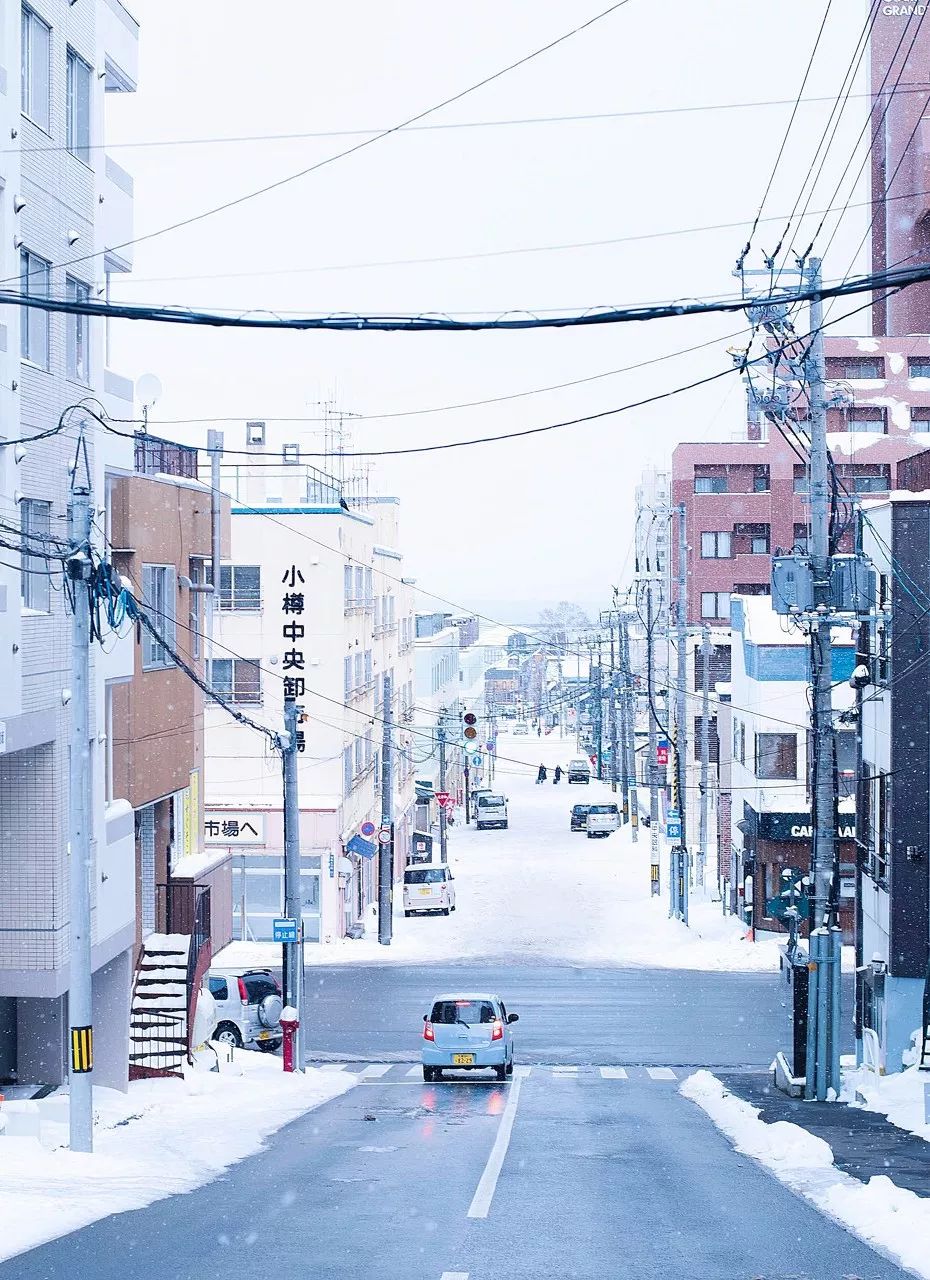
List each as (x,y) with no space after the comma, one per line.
(612,710)
(386,851)
(598,715)
(215,446)
(80,988)
(443,835)
(823,1052)
(681,714)
(629,727)
(707,650)
(293,958)
(651,766)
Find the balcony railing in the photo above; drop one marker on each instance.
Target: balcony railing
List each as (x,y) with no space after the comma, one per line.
(163,457)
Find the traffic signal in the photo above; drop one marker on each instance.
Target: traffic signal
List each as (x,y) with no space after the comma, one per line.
(471,721)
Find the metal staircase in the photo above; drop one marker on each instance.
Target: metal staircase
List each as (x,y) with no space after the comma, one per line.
(158,1019)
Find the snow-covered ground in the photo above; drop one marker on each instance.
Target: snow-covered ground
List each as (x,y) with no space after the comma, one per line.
(160,1138)
(888,1217)
(903,1097)
(540,891)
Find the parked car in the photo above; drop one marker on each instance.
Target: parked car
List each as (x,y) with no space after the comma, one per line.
(579,770)
(428,889)
(466,1032)
(476,795)
(602,819)
(521,729)
(579,820)
(492,812)
(248,1007)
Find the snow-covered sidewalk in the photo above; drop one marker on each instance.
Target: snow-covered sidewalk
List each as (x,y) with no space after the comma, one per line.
(539,891)
(160,1138)
(889,1217)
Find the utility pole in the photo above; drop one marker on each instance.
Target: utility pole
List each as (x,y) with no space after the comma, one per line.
(651,765)
(681,714)
(823,1060)
(612,711)
(629,726)
(599,715)
(707,650)
(386,850)
(80,990)
(293,958)
(443,836)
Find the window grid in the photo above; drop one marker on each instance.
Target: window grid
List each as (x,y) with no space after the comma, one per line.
(34,279)
(78,332)
(36,67)
(80,78)
(35,518)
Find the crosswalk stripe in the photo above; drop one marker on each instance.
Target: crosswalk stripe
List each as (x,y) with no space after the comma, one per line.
(376,1069)
(614,1073)
(661,1073)
(564,1071)
(414,1071)
(333,1066)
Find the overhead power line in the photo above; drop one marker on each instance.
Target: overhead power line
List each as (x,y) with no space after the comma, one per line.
(355,148)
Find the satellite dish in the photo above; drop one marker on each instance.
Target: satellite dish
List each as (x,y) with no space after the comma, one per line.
(148,389)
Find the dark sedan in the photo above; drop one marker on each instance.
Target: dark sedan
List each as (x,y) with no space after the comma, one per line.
(580,817)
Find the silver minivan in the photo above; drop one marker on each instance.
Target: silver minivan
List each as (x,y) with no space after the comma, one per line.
(429,888)
(602,819)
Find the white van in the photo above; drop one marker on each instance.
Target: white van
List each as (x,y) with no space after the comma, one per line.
(579,770)
(428,889)
(492,812)
(602,819)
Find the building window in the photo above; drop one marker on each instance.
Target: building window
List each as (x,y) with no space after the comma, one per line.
(35,520)
(761,482)
(369,588)
(710,484)
(776,755)
(36,52)
(851,368)
(34,280)
(357,672)
(79,81)
(846,765)
(920,416)
(159,592)
(715,546)
(255,433)
(751,589)
(800,538)
(801,483)
(346,770)
(359,584)
(918,367)
(240,586)
(78,332)
(715,604)
(759,544)
(291,454)
(347,586)
(347,685)
(368,674)
(238,679)
(874,483)
(866,418)
(881,848)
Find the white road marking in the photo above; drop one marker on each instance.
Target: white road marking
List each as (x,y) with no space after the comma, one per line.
(375,1069)
(332,1066)
(481,1202)
(454,1275)
(661,1073)
(614,1073)
(564,1071)
(414,1071)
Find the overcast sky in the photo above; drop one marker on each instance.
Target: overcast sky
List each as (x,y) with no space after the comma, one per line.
(543,518)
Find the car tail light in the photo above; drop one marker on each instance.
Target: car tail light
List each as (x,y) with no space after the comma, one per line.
(428,1031)
(243,991)
(497,1030)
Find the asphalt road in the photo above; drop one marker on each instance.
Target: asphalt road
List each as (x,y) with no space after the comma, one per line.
(597,1179)
(567,1014)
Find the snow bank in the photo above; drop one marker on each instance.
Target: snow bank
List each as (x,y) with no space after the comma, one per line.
(890,1218)
(160,1138)
(899,1096)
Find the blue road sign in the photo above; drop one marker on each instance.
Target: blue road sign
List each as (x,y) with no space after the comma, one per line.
(285,930)
(364,848)
(673,829)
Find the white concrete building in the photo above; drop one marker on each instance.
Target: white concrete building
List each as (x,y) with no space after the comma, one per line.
(313,599)
(62,202)
(769,721)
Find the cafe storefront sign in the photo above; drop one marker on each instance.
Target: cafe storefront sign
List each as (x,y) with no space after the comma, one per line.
(798,826)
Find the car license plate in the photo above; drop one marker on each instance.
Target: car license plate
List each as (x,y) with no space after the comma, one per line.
(425,892)
(463,1059)
(264,1035)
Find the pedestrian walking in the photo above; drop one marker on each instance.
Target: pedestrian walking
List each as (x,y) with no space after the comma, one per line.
(557,776)
(541,775)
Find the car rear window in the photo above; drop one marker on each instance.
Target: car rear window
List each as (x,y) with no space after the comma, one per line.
(425,875)
(490,802)
(218,989)
(603,808)
(578,764)
(259,985)
(580,809)
(448,1012)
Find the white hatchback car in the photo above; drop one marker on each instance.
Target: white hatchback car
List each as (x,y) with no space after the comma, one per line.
(467,1032)
(248,1007)
(602,819)
(429,889)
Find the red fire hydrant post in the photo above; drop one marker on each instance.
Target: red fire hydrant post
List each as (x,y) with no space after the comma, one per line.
(289,1025)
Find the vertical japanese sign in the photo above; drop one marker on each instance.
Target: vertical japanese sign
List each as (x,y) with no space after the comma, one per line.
(293,632)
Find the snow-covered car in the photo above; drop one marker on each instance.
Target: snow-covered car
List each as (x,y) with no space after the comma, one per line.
(579,819)
(602,819)
(248,1007)
(492,812)
(521,729)
(466,1032)
(428,889)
